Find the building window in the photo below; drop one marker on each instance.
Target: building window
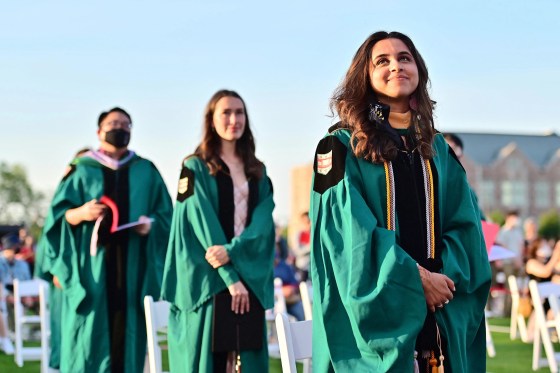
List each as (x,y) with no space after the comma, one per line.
(513,164)
(487,191)
(514,193)
(542,194)
(557,194)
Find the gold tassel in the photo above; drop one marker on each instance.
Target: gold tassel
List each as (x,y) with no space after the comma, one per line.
(238,353)
(440,368)
(416,368)
(441,357)
(238,363)
(433,363)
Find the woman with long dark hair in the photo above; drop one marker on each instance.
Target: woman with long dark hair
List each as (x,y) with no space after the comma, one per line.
(221,244)
(399,265)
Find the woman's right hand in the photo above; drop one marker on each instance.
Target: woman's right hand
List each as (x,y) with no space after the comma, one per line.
(239,297)
(438,288)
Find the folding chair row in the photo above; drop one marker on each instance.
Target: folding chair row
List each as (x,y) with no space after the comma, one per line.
(306,293)
(31,288)
(517,321)
(157,319)
(541,292)
(294,338)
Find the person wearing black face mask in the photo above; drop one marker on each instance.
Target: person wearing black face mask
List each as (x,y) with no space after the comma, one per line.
(104,273)
(118,137)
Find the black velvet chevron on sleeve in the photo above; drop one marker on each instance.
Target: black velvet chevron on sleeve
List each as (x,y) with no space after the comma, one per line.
(329,165)
(69,171)
(186,184)
(270,184)
(452,153)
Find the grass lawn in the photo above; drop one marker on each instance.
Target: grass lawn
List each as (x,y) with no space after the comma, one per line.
(511,356)
(7,365)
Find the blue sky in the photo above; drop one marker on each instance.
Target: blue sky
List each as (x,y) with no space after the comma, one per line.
(494,67)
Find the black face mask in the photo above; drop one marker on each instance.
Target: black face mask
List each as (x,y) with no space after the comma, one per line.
(118,137)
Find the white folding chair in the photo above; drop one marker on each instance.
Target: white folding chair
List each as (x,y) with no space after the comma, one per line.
(517,320)
(44,314)
(279,299)
(539,293)
(4,308)
(270,314)
(157,318)
(306,294)
(490,349)
(31,288)
(295,340)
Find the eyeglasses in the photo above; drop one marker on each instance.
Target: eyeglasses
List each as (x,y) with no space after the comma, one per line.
(115,124)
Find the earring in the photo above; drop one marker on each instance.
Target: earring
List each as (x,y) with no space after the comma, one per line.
(375,113)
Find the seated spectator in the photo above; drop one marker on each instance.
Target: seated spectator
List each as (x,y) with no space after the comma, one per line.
(22,233)
(6,344)
(302,250)
(511,237)
(543,264)
(290,285)
(12,269)
(27,252)
(530,230)
(281,244)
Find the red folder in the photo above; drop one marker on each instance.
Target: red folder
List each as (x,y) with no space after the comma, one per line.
(114,210)
(495,252)
(490,231)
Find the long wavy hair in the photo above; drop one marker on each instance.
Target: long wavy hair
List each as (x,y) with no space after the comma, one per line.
(352,98)
(211,144)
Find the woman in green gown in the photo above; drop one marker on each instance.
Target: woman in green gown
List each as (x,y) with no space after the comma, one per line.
(222,240)
(399,266)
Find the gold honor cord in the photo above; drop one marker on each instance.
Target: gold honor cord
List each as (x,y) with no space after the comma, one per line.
(390,185)
(429,191)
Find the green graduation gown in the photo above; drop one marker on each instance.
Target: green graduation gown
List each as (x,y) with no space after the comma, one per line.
(42,271)
(55,300)
(85,341)
(190,282)
(369,302)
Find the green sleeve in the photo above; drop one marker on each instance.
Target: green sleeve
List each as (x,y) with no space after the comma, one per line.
(194,228)
(46,252)
(41,251)
(465,261)
(161,210)
(371,301)
(476,204)
(252,252)
(61,252)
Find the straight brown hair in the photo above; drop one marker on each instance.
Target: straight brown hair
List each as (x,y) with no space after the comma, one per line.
(211,144)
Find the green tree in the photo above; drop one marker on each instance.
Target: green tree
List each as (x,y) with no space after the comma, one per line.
(549,225)
(497,217)
(19,203)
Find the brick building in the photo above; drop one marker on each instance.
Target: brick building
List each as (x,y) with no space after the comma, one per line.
(514,171)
